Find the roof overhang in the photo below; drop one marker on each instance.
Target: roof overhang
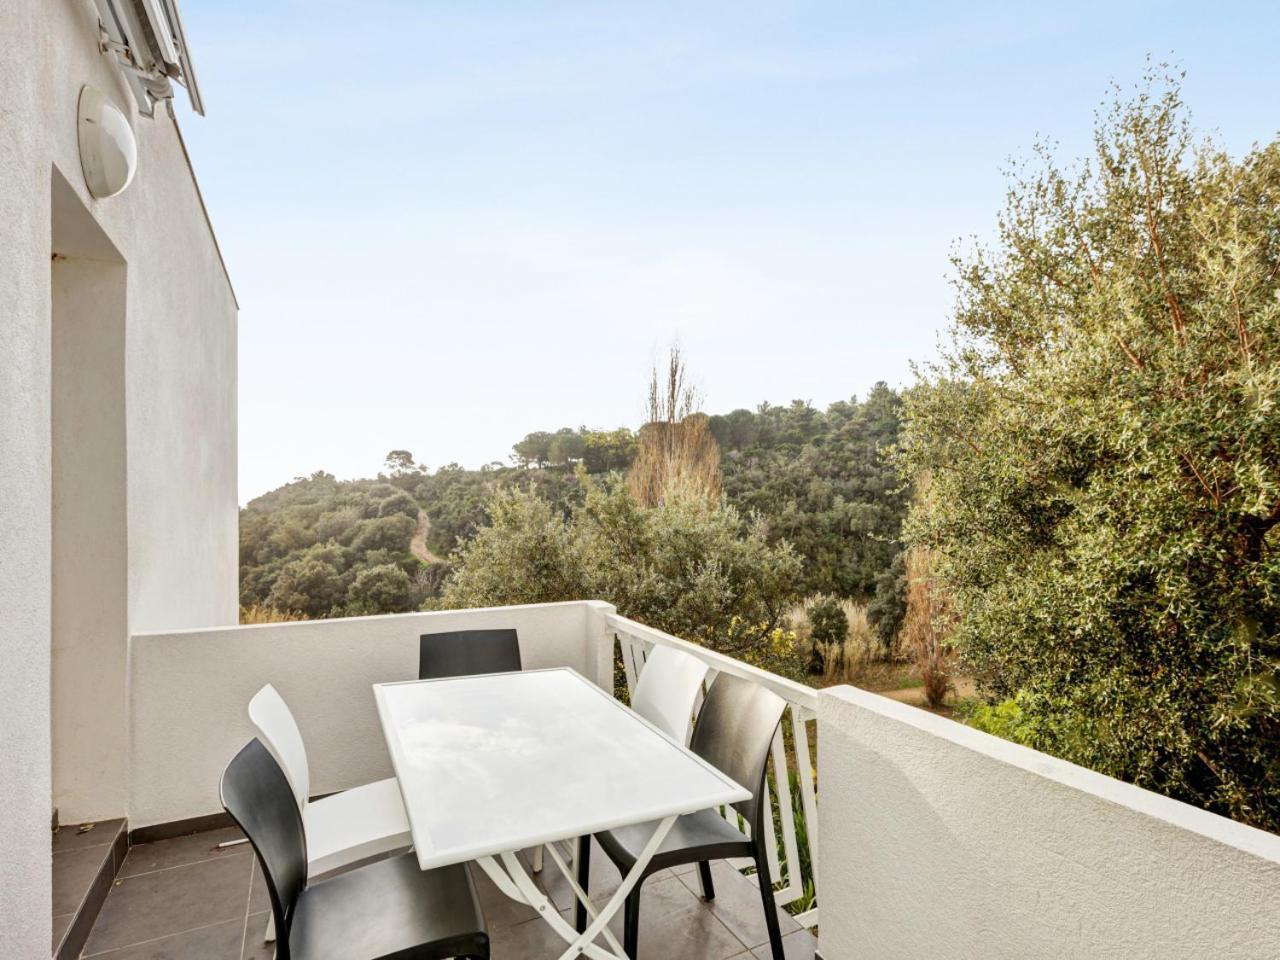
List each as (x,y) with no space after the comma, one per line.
(147,38)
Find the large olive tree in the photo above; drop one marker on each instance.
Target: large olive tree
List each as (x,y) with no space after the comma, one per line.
(1103,438)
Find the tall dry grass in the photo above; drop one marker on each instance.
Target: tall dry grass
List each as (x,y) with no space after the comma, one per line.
(676,448)
(260,613)
(848,661)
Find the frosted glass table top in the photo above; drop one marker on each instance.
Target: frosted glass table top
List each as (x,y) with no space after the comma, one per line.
(502,762)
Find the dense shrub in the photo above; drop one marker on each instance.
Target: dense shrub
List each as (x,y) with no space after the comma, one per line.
(888,607)
(384,588)
(384,533)
(691,565)
(823,483)
(399,503)
(828,629)
(309,586)
(303,545)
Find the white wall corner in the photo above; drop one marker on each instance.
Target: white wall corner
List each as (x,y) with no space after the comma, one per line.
(598,655)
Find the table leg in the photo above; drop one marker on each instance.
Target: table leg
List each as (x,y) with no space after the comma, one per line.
(619,898)
(516,883)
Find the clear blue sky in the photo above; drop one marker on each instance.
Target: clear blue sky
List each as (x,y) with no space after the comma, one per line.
(450,224)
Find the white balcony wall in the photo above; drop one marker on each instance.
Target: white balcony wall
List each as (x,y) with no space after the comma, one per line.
(190,690)
(179,409)
(940,841)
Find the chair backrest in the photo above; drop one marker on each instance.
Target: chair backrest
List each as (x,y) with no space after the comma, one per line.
(734,732)
(279,731)
(461,653)
(257,794)
(667,689)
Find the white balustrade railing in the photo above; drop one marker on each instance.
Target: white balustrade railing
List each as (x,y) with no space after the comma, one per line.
(635,640)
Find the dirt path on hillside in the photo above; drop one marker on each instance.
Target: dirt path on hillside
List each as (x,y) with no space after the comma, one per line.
(418,545)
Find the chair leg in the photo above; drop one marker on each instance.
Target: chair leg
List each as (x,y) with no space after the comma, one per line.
(631,924)
(704,875)
(770,908)
(583,867)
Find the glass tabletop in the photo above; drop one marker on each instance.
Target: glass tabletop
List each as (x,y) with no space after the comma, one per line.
(501,762)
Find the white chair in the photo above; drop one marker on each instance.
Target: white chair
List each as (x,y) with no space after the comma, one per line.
(665,695)
(668,689)
(343,828)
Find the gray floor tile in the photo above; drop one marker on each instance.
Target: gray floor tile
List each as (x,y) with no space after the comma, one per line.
(530,940)
(217,942)
(196,911)
(60,925)
(796,946)
(737,905)
(69,837)
(165,902)
(676,923)
(499,909)
(146,857)
(255,948)
(259,896)
(73,873)
(604,880)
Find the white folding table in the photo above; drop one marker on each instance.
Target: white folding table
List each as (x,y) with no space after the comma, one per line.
(490,765)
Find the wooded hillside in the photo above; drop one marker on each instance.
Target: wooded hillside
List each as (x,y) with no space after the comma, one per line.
(818,479)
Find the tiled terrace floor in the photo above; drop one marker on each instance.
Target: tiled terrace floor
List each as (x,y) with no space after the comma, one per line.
(183,899)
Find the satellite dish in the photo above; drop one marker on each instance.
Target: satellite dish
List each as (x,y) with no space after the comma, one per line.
(108,150)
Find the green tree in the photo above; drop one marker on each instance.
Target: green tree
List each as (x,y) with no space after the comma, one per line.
(1103,439)
(343,526)
(308,586)
(384,588)
(888,607)
(605,450)
(690,565)
(400,463)
(384,533)
(526,554)
(824,484)
(534,450)
(566,448)
(400,503)
(828,629)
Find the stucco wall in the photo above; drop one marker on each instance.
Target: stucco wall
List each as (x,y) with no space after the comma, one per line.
(180,400)
(191,689)
(90,632)
(25,900)
(940,841)
(181,350)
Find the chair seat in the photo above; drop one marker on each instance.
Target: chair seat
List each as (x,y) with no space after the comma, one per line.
(354,825)
(694,837)
(390,910)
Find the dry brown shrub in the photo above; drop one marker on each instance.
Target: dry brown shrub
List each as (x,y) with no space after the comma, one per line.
(927,625)
(676,448)
(860,649)
(260,613)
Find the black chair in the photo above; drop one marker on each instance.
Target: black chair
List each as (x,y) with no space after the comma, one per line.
(734,731)
(388,910)
(461,653)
